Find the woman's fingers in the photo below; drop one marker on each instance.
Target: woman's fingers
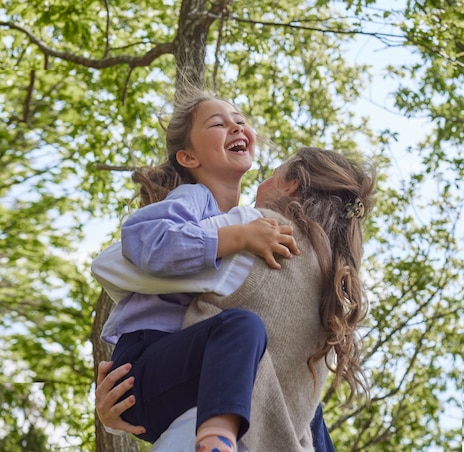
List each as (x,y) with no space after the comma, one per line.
(106,393)
(103,369)
(134,429)
(105,380)
(108,408)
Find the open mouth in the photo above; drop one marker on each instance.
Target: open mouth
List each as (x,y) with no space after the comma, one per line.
(238,146)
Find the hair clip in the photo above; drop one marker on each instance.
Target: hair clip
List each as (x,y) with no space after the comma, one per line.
(354,209)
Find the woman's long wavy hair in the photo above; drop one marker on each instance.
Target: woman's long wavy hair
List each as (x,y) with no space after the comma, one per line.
(328,183)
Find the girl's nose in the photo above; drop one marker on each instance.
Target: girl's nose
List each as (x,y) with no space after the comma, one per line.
(237,128)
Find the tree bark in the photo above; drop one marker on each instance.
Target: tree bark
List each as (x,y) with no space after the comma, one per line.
(106,442)
(194,23)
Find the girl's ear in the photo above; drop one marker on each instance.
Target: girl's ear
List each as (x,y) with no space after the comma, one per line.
(187,159)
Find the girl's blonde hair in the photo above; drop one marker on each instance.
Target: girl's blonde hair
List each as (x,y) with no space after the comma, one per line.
(157,181)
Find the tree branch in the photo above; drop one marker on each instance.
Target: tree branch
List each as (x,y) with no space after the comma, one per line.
(107,30)
(27,102)
(130,60)
(297,25)
(224,16)
(126,85)
(104,167)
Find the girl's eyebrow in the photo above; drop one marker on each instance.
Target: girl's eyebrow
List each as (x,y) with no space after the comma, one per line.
(214,115)
(220,115)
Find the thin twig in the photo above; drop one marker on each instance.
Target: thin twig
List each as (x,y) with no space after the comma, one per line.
(107,31)
(27,102)
(133,157)
(126,85)
(104,167)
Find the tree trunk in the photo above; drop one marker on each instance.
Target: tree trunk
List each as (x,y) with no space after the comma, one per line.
(190,44)
(106,442)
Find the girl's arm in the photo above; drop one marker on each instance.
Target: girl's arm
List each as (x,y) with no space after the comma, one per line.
(262,237)
(166,239)
(120,277)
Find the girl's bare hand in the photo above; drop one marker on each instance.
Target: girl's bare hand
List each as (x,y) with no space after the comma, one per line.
(265,238)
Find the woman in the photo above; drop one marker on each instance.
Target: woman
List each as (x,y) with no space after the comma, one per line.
(314,305)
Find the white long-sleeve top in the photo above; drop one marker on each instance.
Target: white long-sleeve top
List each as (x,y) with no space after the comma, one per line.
(138,308)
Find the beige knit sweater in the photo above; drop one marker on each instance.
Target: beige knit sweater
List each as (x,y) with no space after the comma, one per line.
(285,394)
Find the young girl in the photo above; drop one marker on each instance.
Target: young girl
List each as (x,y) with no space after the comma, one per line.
(213,364)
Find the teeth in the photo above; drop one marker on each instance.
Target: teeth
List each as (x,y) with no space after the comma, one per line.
(241,144)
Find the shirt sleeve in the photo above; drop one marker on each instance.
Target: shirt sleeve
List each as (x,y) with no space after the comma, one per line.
(119,277)
(166,239)
(113,431)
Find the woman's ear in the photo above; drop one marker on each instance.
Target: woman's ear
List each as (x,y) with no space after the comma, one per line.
(187,159)
(291,186)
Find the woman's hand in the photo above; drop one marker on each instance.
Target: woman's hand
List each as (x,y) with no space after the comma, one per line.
(108,408)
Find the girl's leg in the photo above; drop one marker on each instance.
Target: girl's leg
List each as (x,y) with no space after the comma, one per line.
(218,433)
(212,364)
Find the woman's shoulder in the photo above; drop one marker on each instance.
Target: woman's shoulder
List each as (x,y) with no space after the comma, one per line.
(282,219)
(268,213)
(300,235)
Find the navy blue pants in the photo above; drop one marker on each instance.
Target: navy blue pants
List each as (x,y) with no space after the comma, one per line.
(211,365)
(321,437)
